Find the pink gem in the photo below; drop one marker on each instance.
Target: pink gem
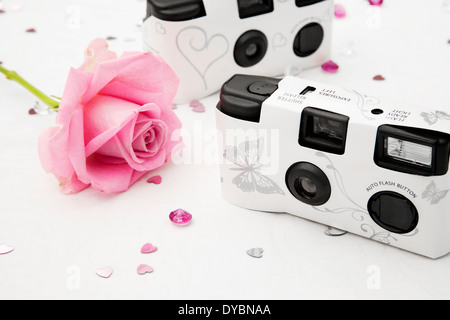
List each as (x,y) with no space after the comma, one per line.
(180,217)
(376,2)
(339,11)
(330,67)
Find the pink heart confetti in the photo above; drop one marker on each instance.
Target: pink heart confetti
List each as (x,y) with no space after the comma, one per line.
(143,269)
(180,217)
(2,11)
(16,7)
(330,67)
(174,106)
(148,248)
(446,5)
(379,78)
(376,2)
(195,103)
(31,30)
(32,112)
(339,11)
(155,180)
(4,249)
(104,272)
(197,106)
(199,109)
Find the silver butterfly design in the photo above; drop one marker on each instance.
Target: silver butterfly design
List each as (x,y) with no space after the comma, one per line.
(383,236)
(433,117)
(434,195)
(247,158)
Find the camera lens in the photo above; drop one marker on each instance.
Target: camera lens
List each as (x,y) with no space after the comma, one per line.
(250,48)
(323,130)
(308,183)
(306,187)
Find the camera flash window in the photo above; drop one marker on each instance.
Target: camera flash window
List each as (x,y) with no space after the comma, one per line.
(412,150)
(408,151)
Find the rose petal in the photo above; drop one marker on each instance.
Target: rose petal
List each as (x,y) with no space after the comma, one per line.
(113,70)
(139,78)
(109,178)
(96,53)
(72,185)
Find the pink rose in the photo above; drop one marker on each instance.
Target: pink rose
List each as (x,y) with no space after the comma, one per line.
(115,121)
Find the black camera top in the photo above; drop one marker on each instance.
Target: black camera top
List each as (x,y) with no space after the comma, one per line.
(176,10)
(242,96)
(183,10)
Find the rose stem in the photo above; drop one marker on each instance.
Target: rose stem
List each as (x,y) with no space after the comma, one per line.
(12,75)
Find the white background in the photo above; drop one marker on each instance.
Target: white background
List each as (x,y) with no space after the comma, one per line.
(60,240)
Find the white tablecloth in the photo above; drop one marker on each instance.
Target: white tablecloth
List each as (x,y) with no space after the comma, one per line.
(59,241)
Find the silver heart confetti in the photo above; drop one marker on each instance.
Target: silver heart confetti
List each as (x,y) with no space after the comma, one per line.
(333,232)
(255,252)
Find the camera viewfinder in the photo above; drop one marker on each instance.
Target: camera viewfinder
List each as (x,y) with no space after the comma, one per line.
(304,3)
(323,130)
(251,8)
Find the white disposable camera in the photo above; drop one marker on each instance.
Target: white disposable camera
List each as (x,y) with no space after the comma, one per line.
(205,42)
(338,157)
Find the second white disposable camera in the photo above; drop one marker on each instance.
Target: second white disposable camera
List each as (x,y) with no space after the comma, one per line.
(207,41)
(338,157)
